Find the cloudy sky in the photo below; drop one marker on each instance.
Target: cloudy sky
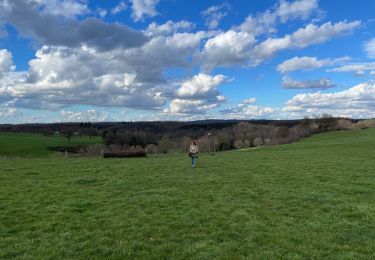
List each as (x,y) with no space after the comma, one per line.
(131,60)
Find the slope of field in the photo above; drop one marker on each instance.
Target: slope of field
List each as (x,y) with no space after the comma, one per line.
(35,145)
(313,199)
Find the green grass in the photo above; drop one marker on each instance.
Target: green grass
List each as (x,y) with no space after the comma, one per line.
(35,145)
(313,199)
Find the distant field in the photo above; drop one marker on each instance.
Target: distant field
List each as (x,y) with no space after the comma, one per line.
(35,145)
(314,199)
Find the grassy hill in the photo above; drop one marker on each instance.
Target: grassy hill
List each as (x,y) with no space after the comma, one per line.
(35,145)
(313,199)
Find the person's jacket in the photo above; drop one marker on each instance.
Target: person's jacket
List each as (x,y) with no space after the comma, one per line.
(194,149)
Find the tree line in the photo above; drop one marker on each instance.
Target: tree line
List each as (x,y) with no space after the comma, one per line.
(211,135)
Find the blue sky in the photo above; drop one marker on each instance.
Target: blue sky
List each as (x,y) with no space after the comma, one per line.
(86,60)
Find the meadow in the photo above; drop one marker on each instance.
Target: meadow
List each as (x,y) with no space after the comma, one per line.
(311,199)
(35,145)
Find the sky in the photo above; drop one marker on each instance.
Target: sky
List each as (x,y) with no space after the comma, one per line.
(143,60)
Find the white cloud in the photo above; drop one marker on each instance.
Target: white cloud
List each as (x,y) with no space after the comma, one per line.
(227,49)
(356,102)
(201,86)
(298,9)
(214,14)
(6,62)
(242,111)
(369,48)
(249,101)
(143,8)
(265,22)
(66,8)
(372,73)
(238,47)
(7,112)
(307,63)
(311,34)
(197,95)
(356,68)
(101,12)
(86,115)
(133,78)
(167,28)
(120,7)
(260,24)
(184,106)
(323,83)
(62,77)
(360,73)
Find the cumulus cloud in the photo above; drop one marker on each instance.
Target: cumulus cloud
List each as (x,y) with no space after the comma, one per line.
(248,110)
(323,83)
(169,27)
(7,112)
(356,102)
(311,34)
(201,86)
(48,29)
(233,47)
(6,62)
(86,115)
(356,68)
(307,63)
(101,12)
(185,106)
(63,76)
(298,9)
(369,48)
(197,95)
(143,8)
(120,7)
(242,111)
(66,8)
(227,49)
(214,14)
(283,11)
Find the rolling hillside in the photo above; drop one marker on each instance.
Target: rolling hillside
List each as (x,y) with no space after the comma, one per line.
(312,199)
(35,145)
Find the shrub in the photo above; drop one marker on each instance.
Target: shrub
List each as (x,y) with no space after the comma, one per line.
(92,150)
(152,149)
(165,145)
(268,141)
(258,141)
(238,144)
(370,123)
(344,124)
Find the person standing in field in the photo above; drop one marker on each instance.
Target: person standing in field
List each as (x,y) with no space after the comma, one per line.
(193,153)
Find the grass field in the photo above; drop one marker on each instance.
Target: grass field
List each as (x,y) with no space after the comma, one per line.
(312,199)
(35,145)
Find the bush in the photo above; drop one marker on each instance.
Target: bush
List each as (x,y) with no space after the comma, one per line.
(238,144)
(92,150)
(344,124)
(363,124)
(152,149)
(165,145)
(258,141)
